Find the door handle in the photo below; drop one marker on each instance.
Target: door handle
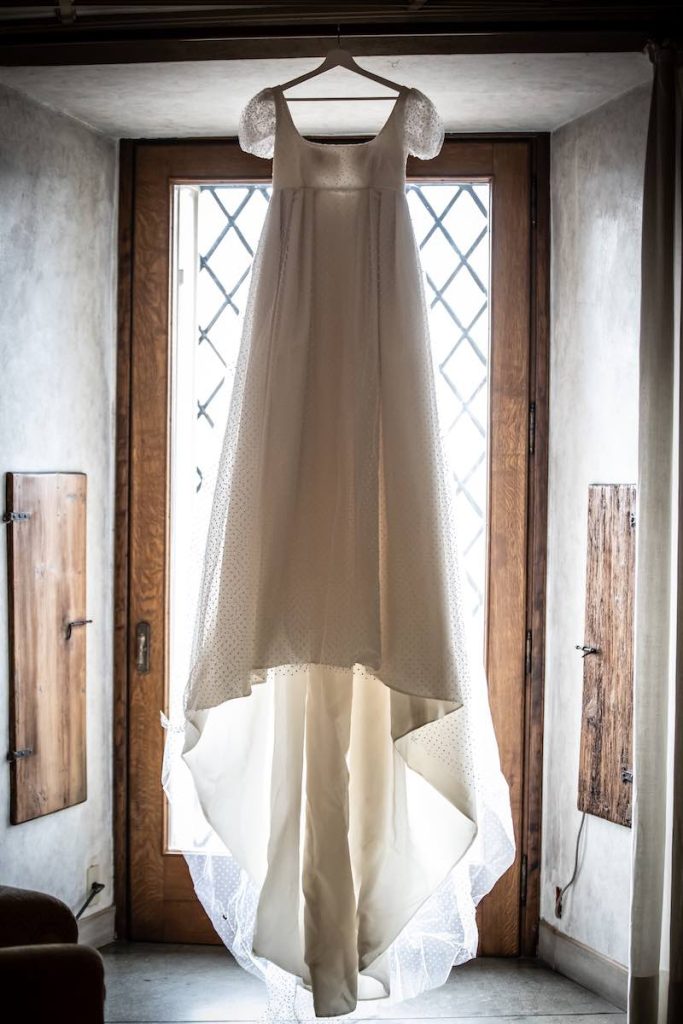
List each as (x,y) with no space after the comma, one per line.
(143,632)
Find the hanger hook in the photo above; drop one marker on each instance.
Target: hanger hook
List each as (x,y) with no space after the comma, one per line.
(339,36)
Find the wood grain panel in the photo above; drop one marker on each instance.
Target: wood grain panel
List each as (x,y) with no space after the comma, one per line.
(121,524)
(474,160)
(536,559)
(507,541)
(148,537)
(47,591)
(607,714)
(184,918)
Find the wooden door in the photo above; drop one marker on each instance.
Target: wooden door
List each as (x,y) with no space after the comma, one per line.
(156,900)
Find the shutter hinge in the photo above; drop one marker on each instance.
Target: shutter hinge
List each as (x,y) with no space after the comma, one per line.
(15,517)
(527,653)
(532,428)
(19,755)
(522,880)
(534,201)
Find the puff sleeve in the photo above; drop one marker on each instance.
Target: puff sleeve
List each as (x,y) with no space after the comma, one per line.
(256,132)
(424,131)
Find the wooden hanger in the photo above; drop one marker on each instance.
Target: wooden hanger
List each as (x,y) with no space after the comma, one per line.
(339,58)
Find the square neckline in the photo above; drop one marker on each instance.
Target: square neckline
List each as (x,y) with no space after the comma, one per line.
(278,90)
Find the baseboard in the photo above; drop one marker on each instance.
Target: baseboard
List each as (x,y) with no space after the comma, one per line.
(97,929)
(579,962)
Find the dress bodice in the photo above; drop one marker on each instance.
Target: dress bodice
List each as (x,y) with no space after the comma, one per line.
(412,128)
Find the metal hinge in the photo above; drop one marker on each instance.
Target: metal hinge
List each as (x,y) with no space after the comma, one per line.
(16,517)
(532,428)
(522,880)
(534,201)
(527,653)
(18,755)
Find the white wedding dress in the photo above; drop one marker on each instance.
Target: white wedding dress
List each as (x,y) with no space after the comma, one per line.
(340,744)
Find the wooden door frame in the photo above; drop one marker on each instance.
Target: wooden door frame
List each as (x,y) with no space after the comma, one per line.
(530,838)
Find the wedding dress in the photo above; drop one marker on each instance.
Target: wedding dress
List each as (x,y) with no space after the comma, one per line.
(339,741)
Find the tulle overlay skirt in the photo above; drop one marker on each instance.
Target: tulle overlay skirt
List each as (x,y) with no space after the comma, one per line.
(337,730)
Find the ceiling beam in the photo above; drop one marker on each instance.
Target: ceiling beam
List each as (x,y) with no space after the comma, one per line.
(104,33)
(126,51)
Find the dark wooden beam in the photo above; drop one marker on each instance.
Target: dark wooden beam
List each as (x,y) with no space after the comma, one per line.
(102,33)
(131,51)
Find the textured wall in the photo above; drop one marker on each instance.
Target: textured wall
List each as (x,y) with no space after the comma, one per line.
(596,193)
(57,353)
(473,92)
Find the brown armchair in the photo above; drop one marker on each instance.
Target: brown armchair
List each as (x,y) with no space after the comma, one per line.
(44,974)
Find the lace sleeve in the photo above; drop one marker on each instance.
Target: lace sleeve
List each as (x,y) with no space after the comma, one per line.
(256,131)
(423,127)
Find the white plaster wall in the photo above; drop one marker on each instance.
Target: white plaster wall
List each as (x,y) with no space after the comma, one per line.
(57,358)
(473,92)
(596,194)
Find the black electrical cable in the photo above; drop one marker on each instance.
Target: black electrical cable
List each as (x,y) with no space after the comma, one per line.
(95,889)
(560,893)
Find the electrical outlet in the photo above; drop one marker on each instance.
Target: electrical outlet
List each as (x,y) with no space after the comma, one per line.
(93,875)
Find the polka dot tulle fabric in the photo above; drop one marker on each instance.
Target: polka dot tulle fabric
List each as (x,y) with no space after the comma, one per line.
(337,730)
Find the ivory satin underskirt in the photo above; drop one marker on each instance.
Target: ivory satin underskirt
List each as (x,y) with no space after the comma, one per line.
(357,838)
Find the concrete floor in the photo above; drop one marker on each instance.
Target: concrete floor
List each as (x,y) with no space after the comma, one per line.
(167,984)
